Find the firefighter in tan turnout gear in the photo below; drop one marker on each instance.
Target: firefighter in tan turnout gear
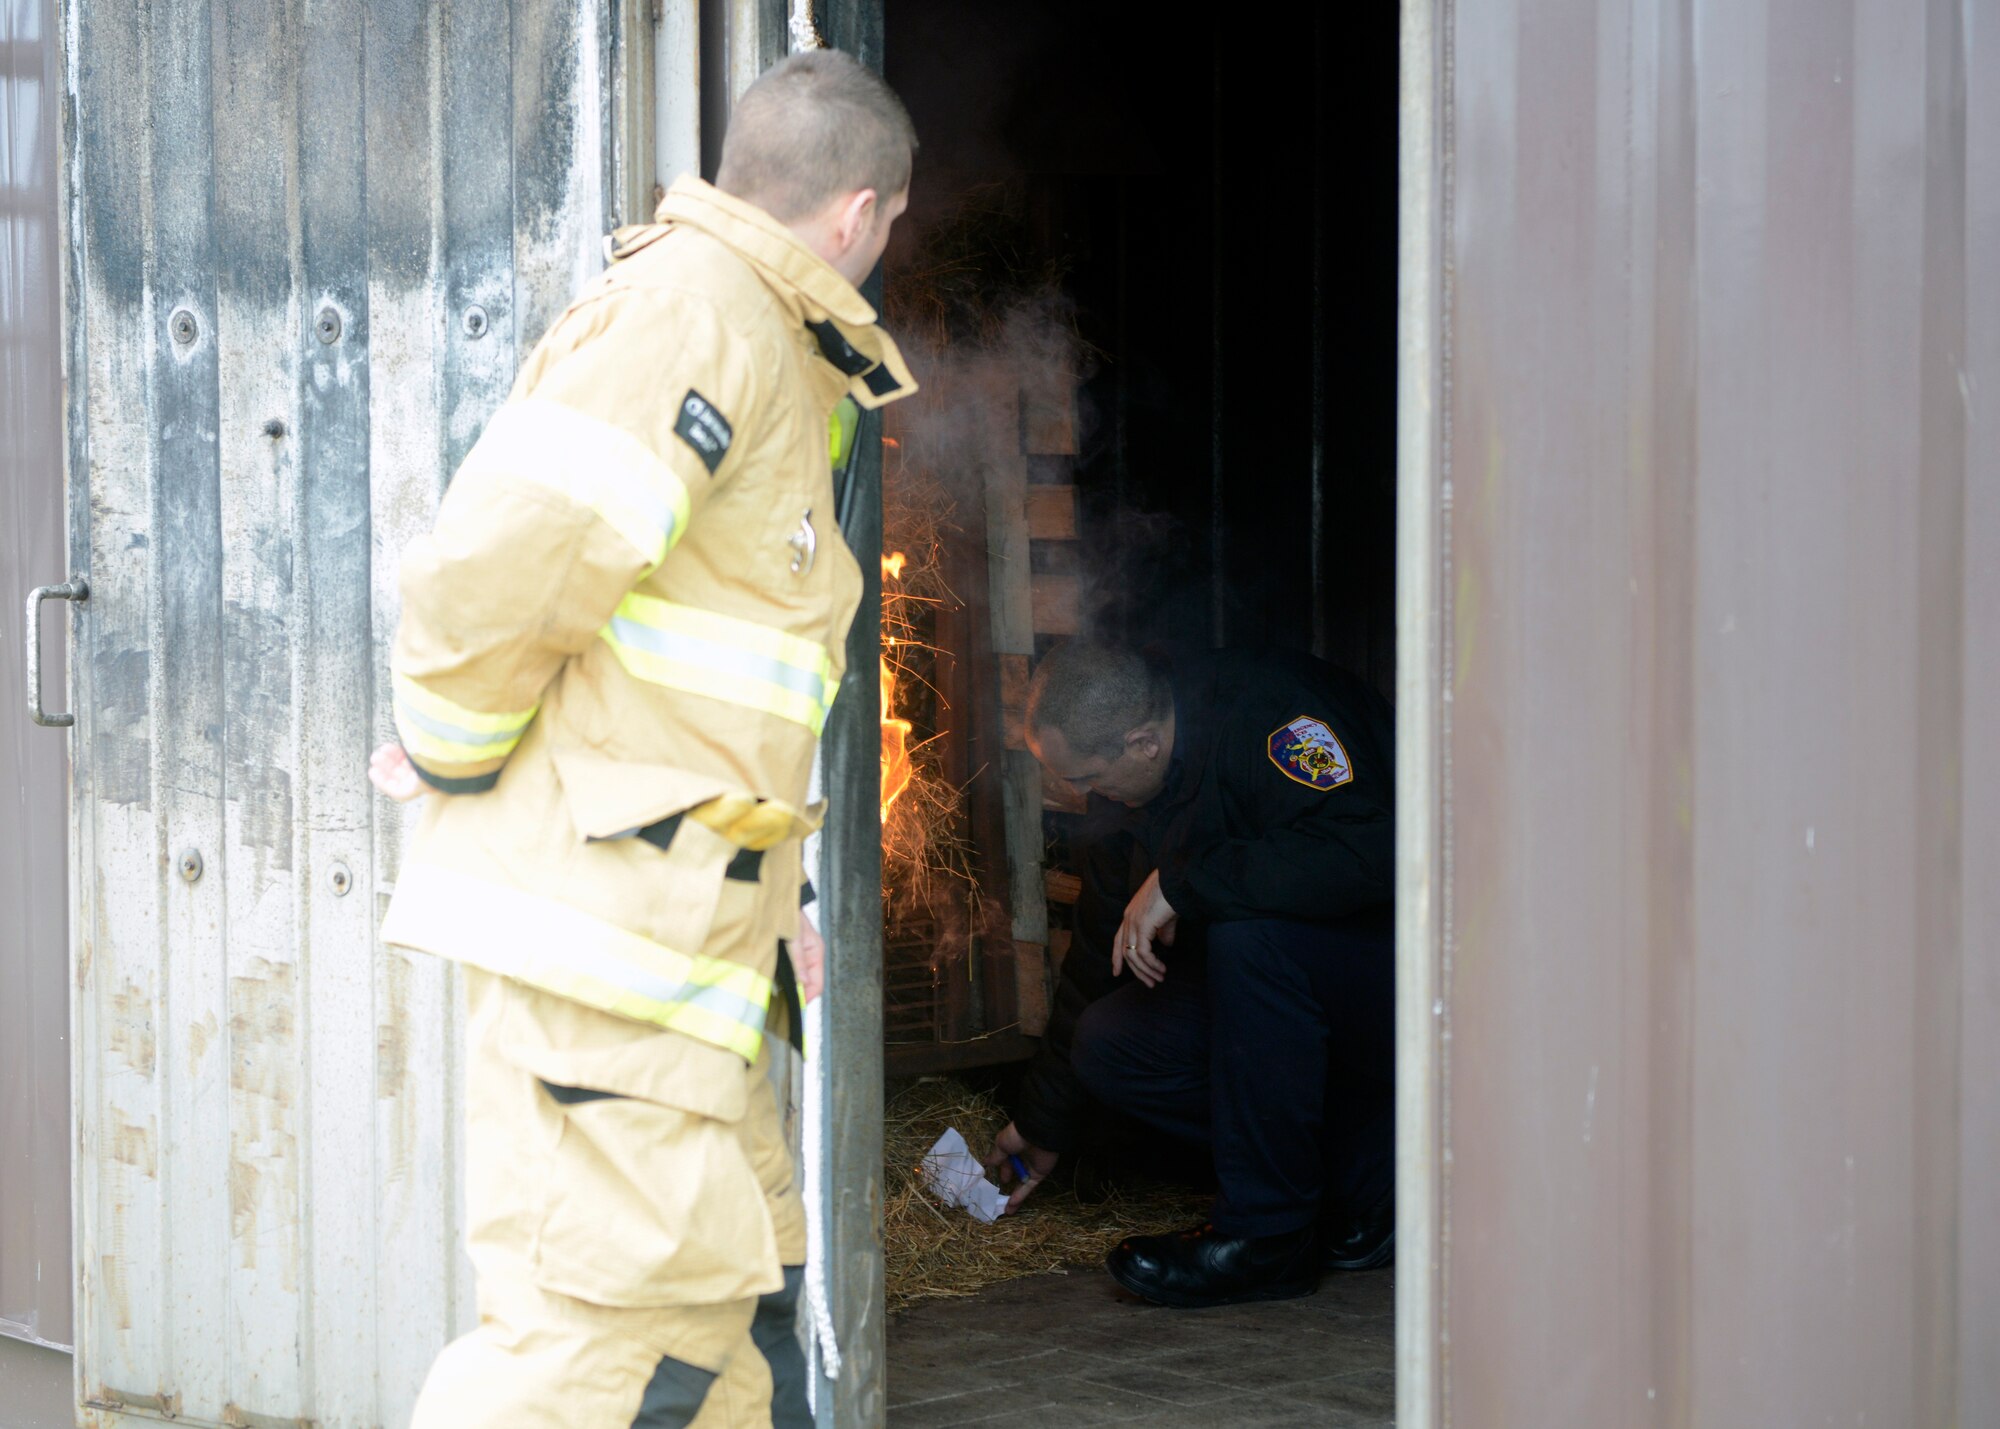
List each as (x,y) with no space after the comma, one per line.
(617,652)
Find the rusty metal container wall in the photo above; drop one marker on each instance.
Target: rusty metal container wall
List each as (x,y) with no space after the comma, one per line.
(307,247)
(1709,948)
(34,891)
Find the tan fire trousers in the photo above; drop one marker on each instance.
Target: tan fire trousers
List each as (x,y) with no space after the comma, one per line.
(634,1225)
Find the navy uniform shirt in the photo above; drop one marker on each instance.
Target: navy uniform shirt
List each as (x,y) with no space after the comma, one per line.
(1279,803)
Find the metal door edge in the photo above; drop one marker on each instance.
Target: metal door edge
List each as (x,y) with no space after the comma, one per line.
(1422,791)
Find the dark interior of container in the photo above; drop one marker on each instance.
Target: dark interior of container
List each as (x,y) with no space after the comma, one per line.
(1214,200)
(1196,232)
(1193,236)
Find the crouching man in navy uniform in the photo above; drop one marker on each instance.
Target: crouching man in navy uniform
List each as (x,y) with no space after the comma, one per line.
(1231,976)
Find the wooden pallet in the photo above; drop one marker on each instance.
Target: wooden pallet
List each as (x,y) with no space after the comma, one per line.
(1022,549)
(988,1004)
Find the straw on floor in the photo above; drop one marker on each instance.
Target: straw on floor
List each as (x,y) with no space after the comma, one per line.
(932,1249)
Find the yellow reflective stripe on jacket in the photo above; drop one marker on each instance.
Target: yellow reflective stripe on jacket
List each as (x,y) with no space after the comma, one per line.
(595,464)
(441,730)
(566,951)
(841,427)
(685,648)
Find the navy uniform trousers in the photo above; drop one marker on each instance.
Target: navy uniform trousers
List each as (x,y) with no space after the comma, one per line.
(1276,1048)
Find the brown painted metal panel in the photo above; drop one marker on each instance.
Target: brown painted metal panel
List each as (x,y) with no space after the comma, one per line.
(1977,1227)
(34,762)
(1717,960)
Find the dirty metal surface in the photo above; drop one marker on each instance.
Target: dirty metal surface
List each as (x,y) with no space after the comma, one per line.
(306,248)
(34,889)
(850,880)
(1712,974)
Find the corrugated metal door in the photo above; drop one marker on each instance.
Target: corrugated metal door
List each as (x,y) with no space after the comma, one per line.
(1701,486)
(34,887)
(308,245)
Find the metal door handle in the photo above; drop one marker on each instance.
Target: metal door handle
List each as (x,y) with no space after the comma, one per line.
(75,589)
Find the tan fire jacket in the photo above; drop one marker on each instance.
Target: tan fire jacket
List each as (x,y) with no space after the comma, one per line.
(631,617)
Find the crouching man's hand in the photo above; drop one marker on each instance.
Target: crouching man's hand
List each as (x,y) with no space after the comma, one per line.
(1008,1146)
(1150,924)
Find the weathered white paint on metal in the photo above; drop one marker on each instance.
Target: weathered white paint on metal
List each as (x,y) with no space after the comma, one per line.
(268,1207)
(754,35)
(631,140)
(677,86)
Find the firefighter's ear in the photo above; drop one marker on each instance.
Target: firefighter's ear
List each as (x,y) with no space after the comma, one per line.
(856,219)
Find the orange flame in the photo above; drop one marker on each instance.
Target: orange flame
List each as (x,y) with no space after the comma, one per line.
(896,767)
(895,740)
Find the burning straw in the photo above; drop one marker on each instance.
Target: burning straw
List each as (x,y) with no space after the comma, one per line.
(927,865)
(934,1250)
(971,297)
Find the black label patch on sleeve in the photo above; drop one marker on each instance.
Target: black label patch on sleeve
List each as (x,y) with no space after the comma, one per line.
(705,429)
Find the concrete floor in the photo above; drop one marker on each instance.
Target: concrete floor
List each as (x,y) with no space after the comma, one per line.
(1074,1349)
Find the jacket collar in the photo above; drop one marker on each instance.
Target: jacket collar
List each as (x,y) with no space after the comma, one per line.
(826,304)
(800,277)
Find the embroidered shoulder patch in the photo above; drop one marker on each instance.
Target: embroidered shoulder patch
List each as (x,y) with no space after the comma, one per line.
(1307,751)
(705,429)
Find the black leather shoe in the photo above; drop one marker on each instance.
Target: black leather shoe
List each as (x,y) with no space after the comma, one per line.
(1201,1267)
(1363,1242)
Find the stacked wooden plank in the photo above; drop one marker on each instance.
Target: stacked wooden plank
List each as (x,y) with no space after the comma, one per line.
(1055,564)
(1013,617)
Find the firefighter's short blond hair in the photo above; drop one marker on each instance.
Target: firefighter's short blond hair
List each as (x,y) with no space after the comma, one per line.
(1094,693)
(814,126)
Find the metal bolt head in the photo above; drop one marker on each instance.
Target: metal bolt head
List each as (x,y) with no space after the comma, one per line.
(475,322)
(190,862)
(340,880)
(183,326)
(327,325)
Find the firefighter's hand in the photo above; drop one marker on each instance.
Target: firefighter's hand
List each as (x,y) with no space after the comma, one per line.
(1149,924)
(1007,1147)
(390,771)
(809,959)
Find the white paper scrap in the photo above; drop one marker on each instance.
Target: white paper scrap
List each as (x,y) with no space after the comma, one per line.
(955,1177)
